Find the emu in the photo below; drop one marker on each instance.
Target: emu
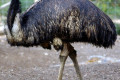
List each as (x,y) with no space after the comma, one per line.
(59,23)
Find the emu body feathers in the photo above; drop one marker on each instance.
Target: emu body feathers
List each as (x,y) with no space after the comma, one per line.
(70,20)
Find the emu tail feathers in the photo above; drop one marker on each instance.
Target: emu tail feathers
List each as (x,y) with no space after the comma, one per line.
(12,12)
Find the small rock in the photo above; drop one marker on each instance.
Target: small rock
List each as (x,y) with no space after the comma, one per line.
(46,54)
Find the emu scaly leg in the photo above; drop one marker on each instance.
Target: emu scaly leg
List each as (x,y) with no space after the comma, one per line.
(62,61)
(73,56)
(76,65)
(63,56)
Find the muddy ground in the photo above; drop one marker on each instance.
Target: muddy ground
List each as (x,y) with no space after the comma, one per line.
(36,63)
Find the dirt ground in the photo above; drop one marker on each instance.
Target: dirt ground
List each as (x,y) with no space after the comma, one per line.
(36,63)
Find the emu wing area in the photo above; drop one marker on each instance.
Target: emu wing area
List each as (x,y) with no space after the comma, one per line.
(70,20)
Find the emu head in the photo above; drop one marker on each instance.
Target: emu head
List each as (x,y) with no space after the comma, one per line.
(58,44)
(14,34)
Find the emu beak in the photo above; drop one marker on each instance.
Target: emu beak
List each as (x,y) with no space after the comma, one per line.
(8,34)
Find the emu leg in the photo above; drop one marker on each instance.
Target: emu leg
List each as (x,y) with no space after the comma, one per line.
(73,56)
(62,61)
(63,57)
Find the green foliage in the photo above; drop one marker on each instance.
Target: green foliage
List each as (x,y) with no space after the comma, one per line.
(111,7)
(118,29)
(24,3)
(3,11)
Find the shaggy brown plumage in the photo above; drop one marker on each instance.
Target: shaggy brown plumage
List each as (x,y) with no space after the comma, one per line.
(70,20)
